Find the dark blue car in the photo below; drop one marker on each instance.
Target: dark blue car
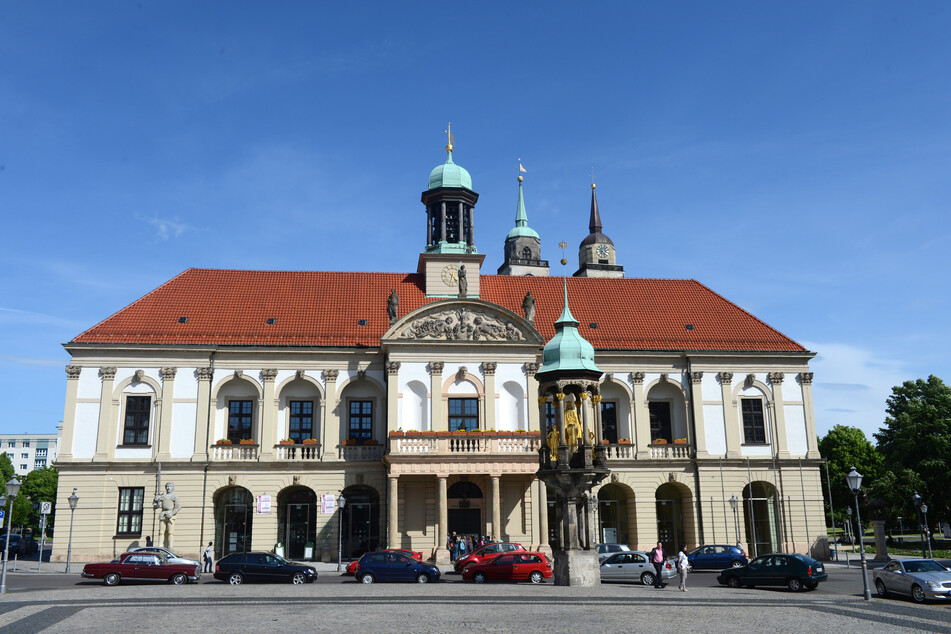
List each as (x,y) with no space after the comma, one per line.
(394,566)
(717,557)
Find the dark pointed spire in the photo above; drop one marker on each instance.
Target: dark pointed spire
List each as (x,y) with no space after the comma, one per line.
(594,225)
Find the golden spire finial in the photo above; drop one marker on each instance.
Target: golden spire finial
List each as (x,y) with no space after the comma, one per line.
(520,169)
(593,179)
(448,132)
(563,245)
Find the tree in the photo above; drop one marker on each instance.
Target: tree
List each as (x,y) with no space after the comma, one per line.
(39,485)
(917,438)
(844,447)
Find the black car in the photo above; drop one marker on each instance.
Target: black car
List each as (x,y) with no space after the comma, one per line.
(19,544)
(240,567)
(793,571)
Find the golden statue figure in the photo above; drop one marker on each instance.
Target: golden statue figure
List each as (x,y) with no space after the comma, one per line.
(572,430)
(553,444)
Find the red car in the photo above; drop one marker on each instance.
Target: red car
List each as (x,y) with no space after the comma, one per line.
(141,567)
(354,565)
(486,552)
(515,566)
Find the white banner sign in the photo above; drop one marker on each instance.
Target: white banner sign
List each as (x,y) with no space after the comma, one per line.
(328,503)
(264,504)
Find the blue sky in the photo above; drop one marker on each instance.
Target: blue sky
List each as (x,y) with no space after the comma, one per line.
(795,157)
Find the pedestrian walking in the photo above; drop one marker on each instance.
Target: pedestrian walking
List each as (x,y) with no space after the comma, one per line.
(451,546)
(148,541)
(657,557)
(209,553)
(682,565)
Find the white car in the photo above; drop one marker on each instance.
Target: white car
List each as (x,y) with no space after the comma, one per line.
(634,567)
(606,550)
(921,579)
(172,556)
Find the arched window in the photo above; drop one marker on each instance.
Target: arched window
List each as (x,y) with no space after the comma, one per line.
(527,253)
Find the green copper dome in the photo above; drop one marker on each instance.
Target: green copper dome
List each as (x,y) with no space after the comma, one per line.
(449,175)
(521,229)
(568,351)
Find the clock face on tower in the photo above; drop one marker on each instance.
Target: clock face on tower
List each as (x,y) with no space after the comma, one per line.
(450,275)
(603,250)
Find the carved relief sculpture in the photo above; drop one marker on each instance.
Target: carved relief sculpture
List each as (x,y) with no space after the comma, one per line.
(462,324)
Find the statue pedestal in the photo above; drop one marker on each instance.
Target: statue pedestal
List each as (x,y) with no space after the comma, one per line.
(577,568)
(881,546)
(442,556)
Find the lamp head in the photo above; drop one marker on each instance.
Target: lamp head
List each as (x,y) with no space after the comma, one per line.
(733,502)
(855,480)
(13,487)
(924,509)
(848,510)
(73,500)
(341,501)
(916,499)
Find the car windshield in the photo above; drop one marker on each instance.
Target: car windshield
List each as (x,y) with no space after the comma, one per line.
(923,566)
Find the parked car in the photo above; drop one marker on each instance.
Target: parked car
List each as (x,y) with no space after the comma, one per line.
(717,557)
(793,571)
(141,567)
(354,565)
(921,579)
(394,566)
(634,567)
(513,566)
(171,555)
(486,552)
(237,568)
(606,550)
(19,544)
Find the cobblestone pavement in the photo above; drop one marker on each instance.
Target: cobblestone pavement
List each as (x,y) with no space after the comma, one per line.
(452,607)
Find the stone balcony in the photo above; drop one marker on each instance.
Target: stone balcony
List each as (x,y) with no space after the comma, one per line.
(296,453)
(482,443)
(235,453)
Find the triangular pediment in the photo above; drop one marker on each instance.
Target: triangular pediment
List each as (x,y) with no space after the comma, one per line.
(463,321)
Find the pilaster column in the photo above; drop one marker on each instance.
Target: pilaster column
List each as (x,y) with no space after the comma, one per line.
(69,413)
(561,418)
(442,221)
(393,508)
(496,508)
(779,414)
(583,406)
(330,429)
(442,508)
(542,511)
(461,237)
(533,423)
(438,421)
(163,431)
(471,233)
(392,399)
(106,434)
(642,419)
(429,227)
(696,402)
(491,396)
(204,414)
(811,441)
(268,430)
(732,427)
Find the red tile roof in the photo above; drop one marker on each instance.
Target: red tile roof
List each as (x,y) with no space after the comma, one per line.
(313,308)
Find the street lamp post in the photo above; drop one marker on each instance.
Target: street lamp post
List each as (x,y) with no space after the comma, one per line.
(73,501)
(341,502)
(736,525)
(855,483)
(13,487)
(924,509)
(848,525)
(901,527)
(916,500)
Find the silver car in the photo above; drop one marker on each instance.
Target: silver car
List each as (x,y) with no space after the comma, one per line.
(922,579)
(173,557)
(606,550)
(634,567)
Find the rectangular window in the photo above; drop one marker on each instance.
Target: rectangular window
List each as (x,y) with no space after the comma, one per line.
(11,443)
(130,511)
(24,455)
(22,467)
(41,453)
(26,443)
(361,420)
(39,464)
(609,421)
(239,420)
(137,410)
(463,414)
(754,423)
(549,417)
(301,424)
(660,421)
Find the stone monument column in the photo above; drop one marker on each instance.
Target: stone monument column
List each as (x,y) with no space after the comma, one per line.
(442,506)
(393,509)
(496,510)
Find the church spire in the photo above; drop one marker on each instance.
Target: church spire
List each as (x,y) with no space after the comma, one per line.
(594,224)
(523,247)
(596,256)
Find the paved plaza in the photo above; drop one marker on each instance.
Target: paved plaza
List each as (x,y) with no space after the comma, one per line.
(54,602)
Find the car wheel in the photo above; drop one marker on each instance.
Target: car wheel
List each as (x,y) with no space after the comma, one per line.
(733,581)
(422,578)
(917,593)
(794,584)
(479,577)
(367,578)
(536,577)
(235,579)
(298,578)
(647,578)
(179,579)
(736,564)
(880,588)
(111,579)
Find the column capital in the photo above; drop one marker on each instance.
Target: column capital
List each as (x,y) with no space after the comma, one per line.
(696,377)
(725,377)
(331,375)
(806,378)
(560,396)
(205,374)
(392,367)
(776,377)
(584,396)
(73,371)
(531,368)
(637,378)
(108,373)
(542,400)
(488,368)
(596,398)
(168,373)
(436,367)
(268,374)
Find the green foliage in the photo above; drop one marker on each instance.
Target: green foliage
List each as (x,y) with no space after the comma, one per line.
(6,470)
(845,447)
(40,485)
(916,439)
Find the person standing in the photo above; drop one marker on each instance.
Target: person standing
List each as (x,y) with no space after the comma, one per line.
(451,546)
(148,541)
(209,553)
(657,557)
(682,565)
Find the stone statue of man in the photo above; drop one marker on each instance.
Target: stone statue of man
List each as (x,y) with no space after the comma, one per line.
(168,502)
(463,282)
(528,305)
(391,305)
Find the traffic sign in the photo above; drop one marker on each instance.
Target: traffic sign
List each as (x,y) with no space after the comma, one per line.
(46,508)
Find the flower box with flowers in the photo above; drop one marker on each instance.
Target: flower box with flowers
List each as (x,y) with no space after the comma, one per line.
(396,434)
(309,441)
(624,441)
(659,441)
(247,441)
(286,441)
(680,441)
(223,441)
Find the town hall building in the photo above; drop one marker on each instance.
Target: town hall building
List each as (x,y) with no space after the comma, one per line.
(264,396)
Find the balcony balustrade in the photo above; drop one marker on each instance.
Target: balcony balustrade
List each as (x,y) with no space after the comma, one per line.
(472,444)
(308,452)
(360,453)
(234,453)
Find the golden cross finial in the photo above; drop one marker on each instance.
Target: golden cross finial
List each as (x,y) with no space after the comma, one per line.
(448,132)
(563,246)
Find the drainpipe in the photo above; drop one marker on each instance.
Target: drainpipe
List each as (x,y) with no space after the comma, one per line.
(696,467)
(204,479)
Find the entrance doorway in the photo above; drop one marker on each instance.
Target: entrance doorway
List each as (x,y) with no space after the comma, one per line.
(760,518)
(465,510)
(670,517)
(361,521)
(234,509)
(612,515)
(297,521)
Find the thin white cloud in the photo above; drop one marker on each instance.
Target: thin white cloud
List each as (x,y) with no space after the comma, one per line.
(45,362)
(15,316)
(166,228)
